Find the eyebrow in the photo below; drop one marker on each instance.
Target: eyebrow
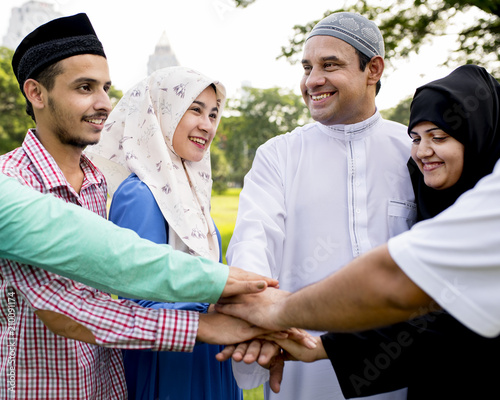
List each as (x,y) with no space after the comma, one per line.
(88,80)
(428,130)
(202,104)
(328,58)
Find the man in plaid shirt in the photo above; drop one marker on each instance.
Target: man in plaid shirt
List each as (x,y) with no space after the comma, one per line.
(63,73)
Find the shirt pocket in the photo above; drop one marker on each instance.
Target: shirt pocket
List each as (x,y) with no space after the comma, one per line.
(402,215)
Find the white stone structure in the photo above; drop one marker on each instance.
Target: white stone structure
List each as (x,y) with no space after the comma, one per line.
(25,19)
(163,56)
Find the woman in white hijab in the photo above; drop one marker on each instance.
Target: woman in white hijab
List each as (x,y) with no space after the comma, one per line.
(155,155)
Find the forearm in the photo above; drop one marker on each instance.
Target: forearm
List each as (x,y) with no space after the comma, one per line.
(369,292)
(112,323)
(84,247)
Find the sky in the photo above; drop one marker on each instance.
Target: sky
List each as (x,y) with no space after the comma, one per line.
(237,46)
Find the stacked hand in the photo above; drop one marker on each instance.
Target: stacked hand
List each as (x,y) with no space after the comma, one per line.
(270,350)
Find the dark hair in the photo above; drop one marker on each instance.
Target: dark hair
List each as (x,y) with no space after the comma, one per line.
(47,78)
(363,62)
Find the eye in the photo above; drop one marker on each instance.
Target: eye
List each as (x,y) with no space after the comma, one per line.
(439,139)
(85,87)
(213,115)
(415,139)
(307,69)
(196,109)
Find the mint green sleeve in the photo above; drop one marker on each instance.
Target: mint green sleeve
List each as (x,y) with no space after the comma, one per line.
(68,240)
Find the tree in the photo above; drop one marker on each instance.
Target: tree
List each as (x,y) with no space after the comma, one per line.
(220,166)
(257,116)
(407,25)
(14,122)
(400,113)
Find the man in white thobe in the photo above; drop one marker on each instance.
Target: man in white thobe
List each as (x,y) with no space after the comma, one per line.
(325,193)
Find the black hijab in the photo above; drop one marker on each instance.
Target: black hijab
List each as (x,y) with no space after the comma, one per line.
(466,105)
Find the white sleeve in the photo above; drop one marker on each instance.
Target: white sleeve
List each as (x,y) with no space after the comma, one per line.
(259,234)
(455,257)
(258,237)
(249,376)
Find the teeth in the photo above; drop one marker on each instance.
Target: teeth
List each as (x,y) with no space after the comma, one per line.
(198,140)
(96,121)
(321,96)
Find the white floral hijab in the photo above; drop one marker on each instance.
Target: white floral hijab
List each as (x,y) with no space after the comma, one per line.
(138,138)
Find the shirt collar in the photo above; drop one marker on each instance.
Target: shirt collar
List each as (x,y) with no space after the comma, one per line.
(49,171)
(352,131)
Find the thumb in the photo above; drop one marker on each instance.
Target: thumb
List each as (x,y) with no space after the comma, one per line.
(243,287)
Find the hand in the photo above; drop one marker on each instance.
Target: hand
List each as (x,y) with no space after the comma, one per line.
(268,353)
(269,356)
(215,328)
(240,281)
(264,348)
(293,351)
(261,309)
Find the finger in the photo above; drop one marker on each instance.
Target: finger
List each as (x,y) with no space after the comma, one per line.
(302,337)
(226,353)
(251,276)
(267,352)
(240,351)
(276,373)
(244,287)
(252,352)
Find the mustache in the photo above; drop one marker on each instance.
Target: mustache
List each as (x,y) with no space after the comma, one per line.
(99,115)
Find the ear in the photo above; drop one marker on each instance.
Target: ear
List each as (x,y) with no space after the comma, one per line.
(34,93)
(375,69)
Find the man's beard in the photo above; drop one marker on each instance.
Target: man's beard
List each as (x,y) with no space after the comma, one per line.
(62,133)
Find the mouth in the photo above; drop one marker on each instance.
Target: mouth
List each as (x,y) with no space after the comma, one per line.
(322,96)
(96,120)
(431,165)
(200,142)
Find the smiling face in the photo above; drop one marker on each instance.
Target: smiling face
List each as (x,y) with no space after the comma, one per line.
(439,156)
(196,129)
(334,88)
(78,104)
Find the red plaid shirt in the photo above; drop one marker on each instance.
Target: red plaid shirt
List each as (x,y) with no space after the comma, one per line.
(35,363)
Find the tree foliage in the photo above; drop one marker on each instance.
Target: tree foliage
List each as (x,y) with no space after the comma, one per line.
(400,113)
(408,24)
(243,3)
(14,122)
(257,116)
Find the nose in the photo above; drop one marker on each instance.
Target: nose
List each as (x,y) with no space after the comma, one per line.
(424,149)
(206,124)
(102,101)
(314,79)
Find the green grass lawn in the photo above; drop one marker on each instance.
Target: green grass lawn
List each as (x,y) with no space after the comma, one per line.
(224,210)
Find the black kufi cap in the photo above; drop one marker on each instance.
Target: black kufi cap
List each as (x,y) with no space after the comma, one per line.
(52,42)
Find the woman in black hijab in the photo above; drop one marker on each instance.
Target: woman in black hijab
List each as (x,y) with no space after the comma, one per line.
(435,356)
(465,105)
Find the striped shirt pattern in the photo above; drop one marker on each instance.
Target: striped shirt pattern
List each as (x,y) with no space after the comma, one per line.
(34,362)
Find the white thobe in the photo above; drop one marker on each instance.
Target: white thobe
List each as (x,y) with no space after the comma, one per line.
(314,199)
